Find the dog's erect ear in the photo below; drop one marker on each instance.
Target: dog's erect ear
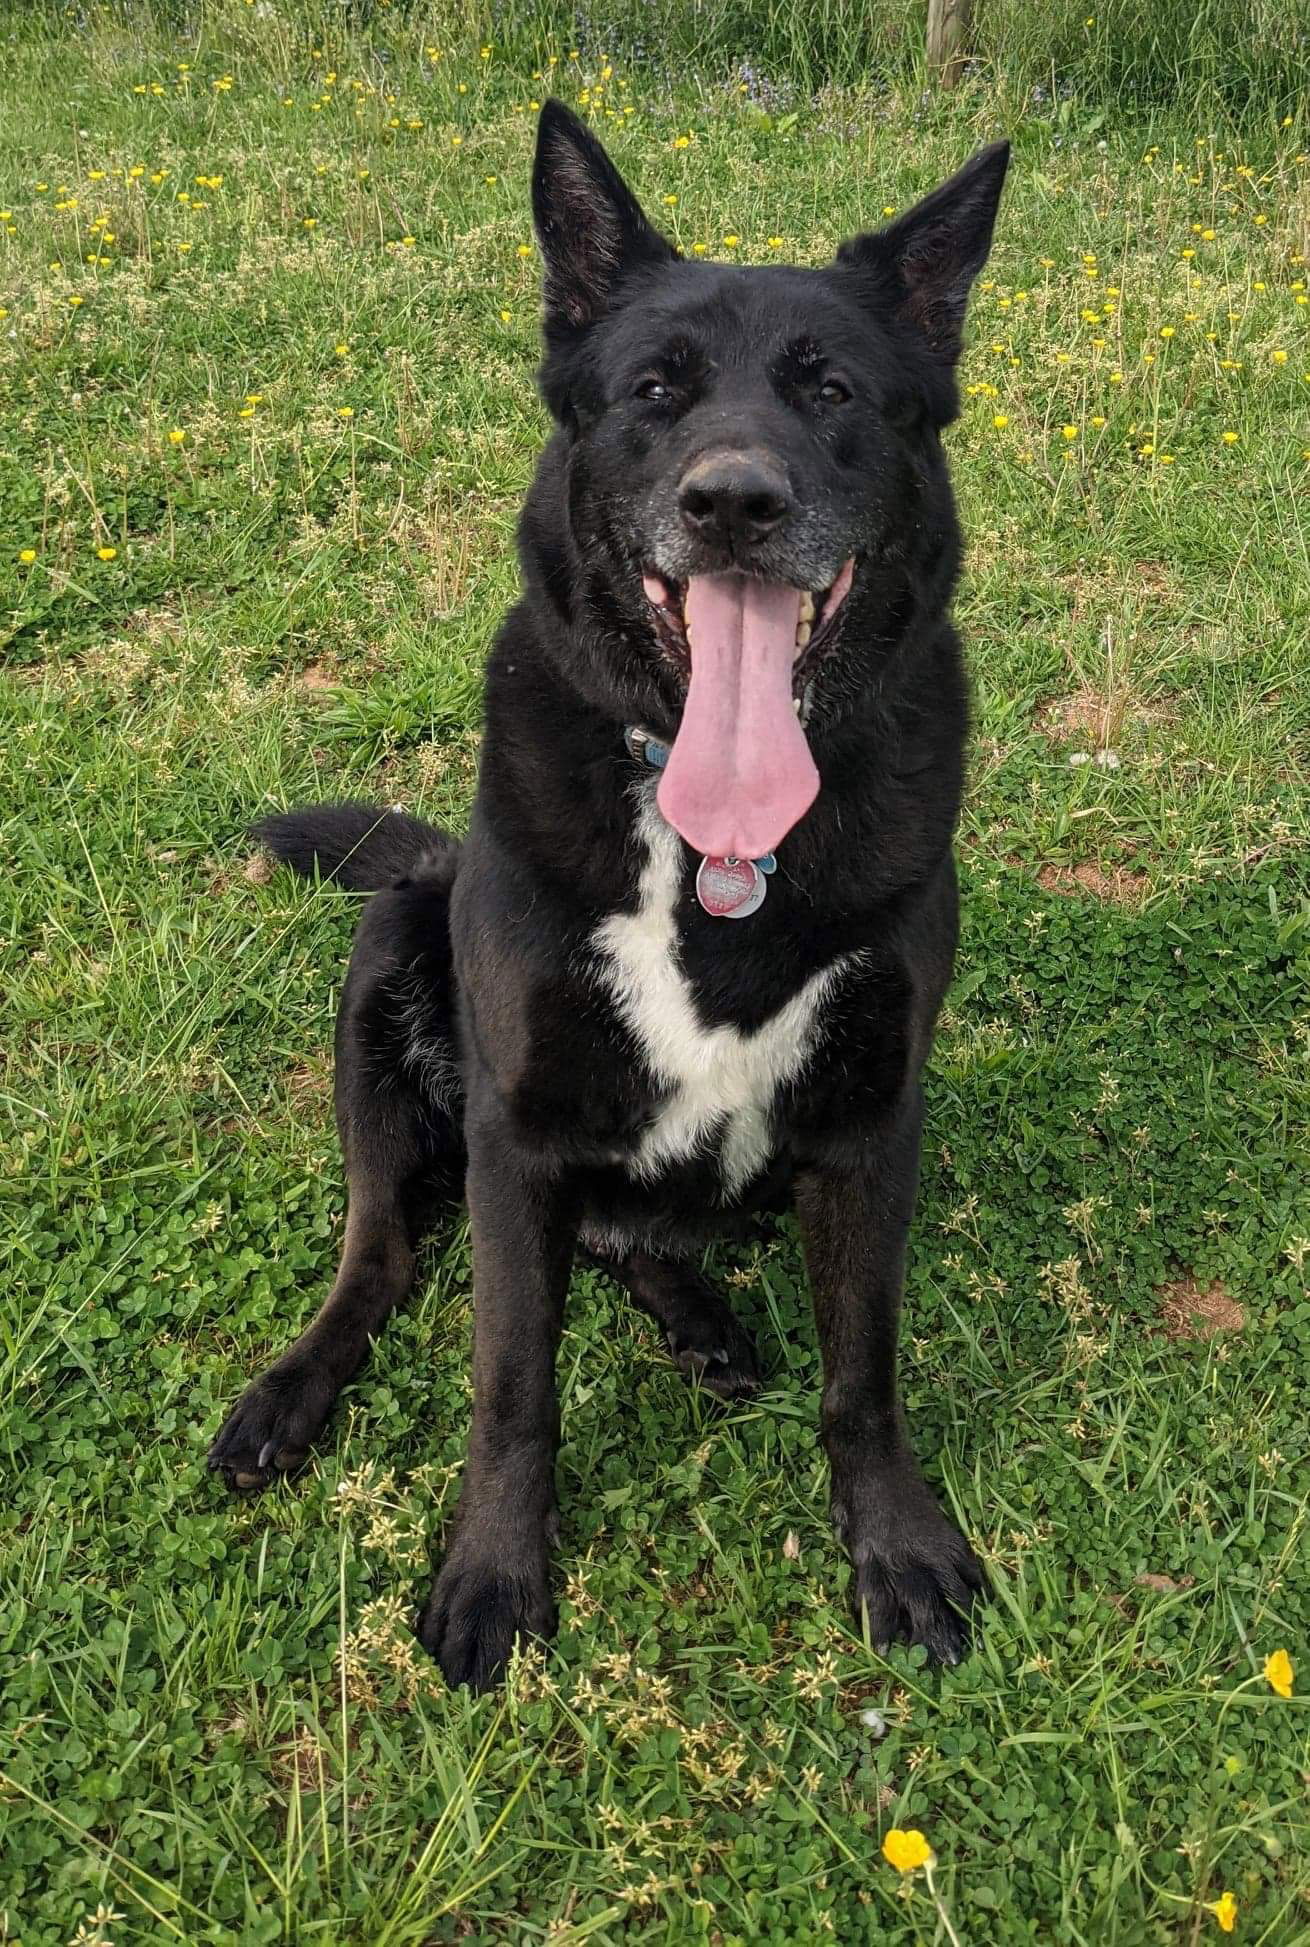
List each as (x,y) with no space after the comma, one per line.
(590,226)
(932,254)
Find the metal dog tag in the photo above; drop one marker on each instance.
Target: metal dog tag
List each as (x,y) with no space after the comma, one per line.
(730,888)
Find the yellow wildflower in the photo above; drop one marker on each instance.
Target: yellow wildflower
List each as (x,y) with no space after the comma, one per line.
(1231,438)
(1224,1910)
(175,436)
(106,554)
(906,1850)
(27,556)
(1278,1667)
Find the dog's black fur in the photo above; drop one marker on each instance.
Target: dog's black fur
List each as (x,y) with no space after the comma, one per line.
(475,1043)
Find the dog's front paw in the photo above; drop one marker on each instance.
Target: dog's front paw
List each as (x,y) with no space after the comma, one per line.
(478,1605)
(713,1351)
(274,1423)
(916,1578)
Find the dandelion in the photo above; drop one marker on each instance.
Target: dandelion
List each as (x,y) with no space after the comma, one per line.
(106,554)
(175,435)
(1278,1668)
(505,316)
(699,249)
(407,243)
(1231,438)
(524,250)
(1279,357)
(669,201)
(1001,420)
(75,300)
(774,243)
(345,412)
(906,1850)
(1167,331)
(1224,1910)
(732,241)
(1069,432)
(27,556)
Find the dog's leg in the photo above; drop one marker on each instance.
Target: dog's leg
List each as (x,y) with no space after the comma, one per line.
(398,1114)
(280,1414)
(915,1574)
(705,1340)
(494,1583)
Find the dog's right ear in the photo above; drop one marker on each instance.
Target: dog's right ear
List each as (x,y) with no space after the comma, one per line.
(591,228)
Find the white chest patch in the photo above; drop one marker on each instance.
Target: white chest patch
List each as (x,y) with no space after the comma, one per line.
(722,1083)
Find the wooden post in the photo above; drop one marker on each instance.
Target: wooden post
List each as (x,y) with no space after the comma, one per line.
(948,37)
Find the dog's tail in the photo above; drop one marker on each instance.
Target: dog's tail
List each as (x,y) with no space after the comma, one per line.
(361,846)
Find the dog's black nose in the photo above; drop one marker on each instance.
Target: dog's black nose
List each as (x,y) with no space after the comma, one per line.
(734,496)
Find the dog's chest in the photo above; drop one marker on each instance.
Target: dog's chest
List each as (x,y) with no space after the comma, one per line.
(720,1084)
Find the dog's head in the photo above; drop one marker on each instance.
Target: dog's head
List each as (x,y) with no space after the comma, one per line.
(754,458)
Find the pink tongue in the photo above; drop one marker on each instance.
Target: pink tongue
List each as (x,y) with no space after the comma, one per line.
(740,774)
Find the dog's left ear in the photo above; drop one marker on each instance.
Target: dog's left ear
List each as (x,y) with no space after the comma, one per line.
(592,230)
(930,256)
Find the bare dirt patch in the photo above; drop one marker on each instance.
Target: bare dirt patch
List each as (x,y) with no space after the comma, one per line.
(309,1084)
(1119,886)
(1189,1310)
(1096,717)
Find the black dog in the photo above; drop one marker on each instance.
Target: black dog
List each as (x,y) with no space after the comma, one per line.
(613,1013)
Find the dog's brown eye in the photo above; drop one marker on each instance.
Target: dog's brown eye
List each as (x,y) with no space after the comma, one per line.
(833,393)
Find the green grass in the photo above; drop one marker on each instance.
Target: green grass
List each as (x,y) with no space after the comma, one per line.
(212,1718)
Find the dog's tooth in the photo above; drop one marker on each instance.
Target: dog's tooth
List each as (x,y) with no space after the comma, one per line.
(807,607)
(803,634)
(796,705)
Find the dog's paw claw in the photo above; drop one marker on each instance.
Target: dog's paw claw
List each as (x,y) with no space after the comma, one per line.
(270,1429)
(477,1610)
(719,1357)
